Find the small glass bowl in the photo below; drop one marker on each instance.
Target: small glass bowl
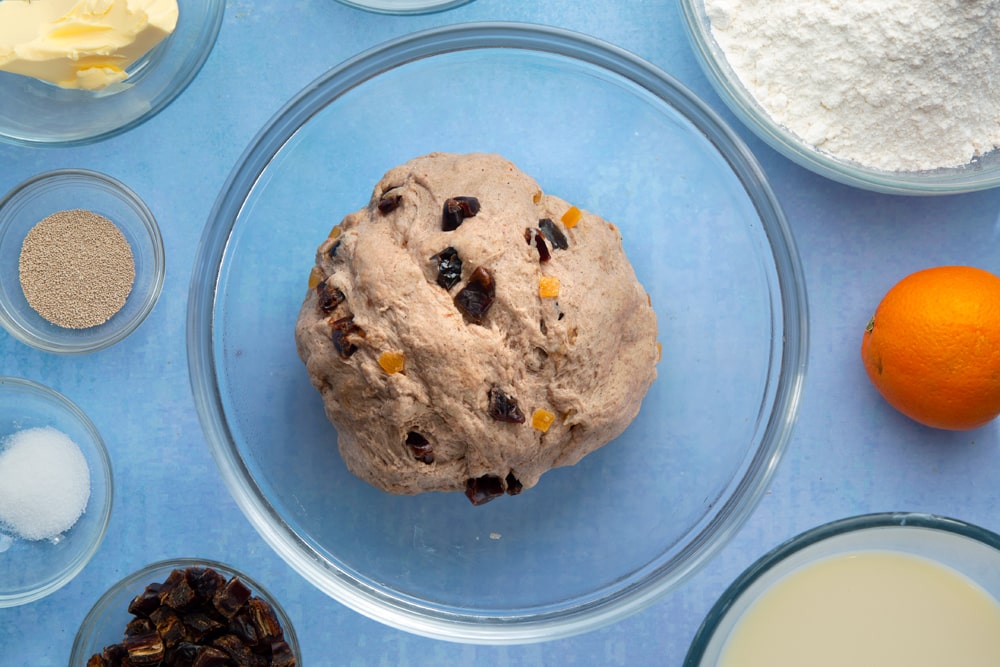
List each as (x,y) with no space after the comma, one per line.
(105,623)
(53,191)
(38,113)
(404,6)
(979,174)
(970,551)
(32,569)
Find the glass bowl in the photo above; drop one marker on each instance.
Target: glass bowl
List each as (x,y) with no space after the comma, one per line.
(980,174)
(37,113)
(48,193)
(404,6)
(105,623)
(30,569)
(971,555)
(589,544)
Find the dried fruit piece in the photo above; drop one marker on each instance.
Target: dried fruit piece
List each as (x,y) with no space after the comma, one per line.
(571,217)
(342,331)
(231,597)
(514,485)
(315,277)
(389,202)
(329,297)
(553,234)
(205,581)
(210,657)
(281,654)
(481,490)
(332,252)
(537,197)
(168,626)
(176,592)
(391,361)
(475,299)
(532,235)
(264,620)
(449,266)
(420,447)
(504,408)
(456,210)
(146,602)
(144,649)
(542,419)
(548,287)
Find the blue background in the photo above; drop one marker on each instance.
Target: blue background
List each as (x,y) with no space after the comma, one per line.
(850,453)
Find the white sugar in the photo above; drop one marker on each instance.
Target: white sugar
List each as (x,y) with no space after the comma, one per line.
(44,483)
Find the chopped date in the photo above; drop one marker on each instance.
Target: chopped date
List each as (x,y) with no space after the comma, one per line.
(343,330)
(449,267)
(389,202)
(231,597)
(145,602)
(144,649)
(533,235)
(176,591)
(504,408)
(332,252)
(227,625)
(421,449)
(329,297)
(475,299)
(456,210)
(514,485)
(553,234)
(481,490)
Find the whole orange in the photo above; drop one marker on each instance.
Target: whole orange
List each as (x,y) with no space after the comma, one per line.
(932,349)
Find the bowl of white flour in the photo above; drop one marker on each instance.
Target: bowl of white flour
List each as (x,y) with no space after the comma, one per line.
(898,96)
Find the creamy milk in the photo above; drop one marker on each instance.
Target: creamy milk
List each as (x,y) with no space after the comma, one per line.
(868,609)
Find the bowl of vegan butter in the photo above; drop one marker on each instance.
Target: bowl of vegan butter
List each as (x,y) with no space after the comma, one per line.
(892,589)
(75,72)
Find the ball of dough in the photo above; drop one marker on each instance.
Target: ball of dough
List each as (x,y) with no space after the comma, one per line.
(466,336)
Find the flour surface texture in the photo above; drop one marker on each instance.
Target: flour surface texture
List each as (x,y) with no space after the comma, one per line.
(898,85)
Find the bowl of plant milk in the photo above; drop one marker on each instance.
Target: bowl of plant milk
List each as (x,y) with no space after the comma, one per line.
(890,589)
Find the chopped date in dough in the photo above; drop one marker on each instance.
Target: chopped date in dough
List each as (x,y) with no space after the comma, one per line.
(456,210)
(454,285)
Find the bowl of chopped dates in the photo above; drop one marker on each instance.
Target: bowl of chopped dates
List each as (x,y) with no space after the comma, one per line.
(439,315)
(186,611)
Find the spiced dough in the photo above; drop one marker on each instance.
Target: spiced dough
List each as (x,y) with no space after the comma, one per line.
(415,384)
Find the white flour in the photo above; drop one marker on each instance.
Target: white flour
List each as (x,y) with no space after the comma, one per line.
(899,85)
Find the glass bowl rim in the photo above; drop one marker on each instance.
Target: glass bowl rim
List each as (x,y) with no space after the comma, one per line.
(52,396)
(815,535)
(425,7)
(115,188)
(745,107)
(207,35)
(141,577)
(399,611)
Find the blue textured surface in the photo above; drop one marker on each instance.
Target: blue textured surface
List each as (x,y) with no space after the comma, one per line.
(850,452)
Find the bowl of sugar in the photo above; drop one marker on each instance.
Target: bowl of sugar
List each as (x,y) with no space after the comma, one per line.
(880,589)
(55,491)
(81,261)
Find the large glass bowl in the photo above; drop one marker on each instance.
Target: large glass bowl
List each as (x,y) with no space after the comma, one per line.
(980,174)
(590,543)
(968,551)
(37,113)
